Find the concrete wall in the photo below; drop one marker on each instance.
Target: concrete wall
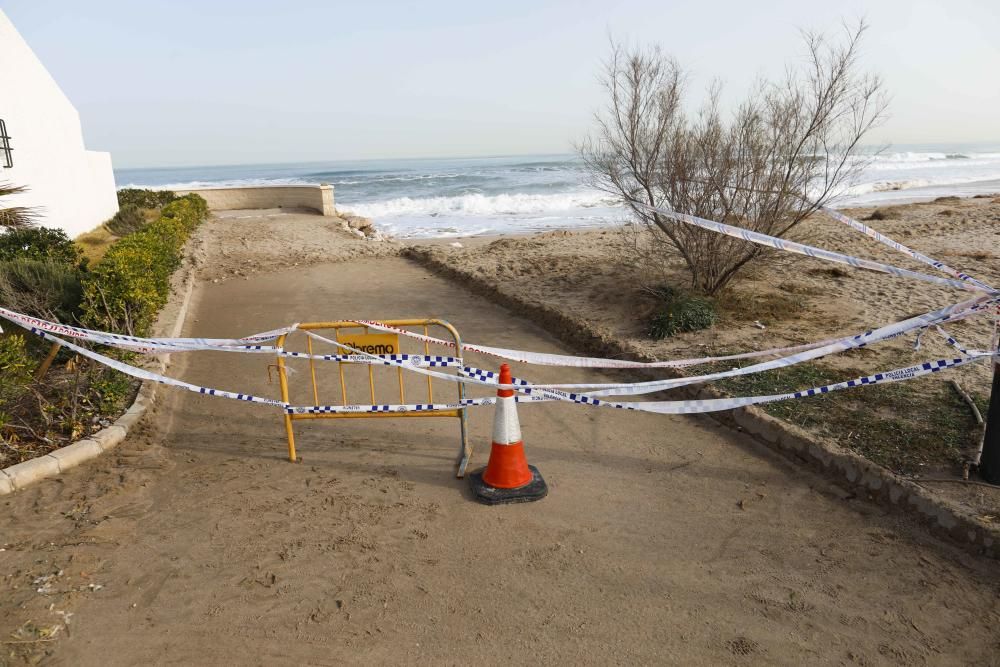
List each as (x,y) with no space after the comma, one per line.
(316,197)
(71,187)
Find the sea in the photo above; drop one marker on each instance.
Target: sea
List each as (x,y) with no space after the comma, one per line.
(441,198)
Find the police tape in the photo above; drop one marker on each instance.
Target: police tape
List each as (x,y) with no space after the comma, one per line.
(955,312)
(143,374)
(151,345)
(417,363)
(472,375)
(811,251)
(533,392)
(896,245)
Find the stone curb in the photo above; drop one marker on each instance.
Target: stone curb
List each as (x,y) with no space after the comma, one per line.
(20,475)
(843,466)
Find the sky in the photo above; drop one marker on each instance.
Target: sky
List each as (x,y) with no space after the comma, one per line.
(188,82)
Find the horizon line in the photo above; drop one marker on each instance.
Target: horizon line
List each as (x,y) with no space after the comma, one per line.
(478,157)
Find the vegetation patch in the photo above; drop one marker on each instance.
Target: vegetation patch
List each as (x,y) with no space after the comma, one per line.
(127,289)
(44,274)
(129,219)
(908,427)
(678,312)
(141,198)
(39,243)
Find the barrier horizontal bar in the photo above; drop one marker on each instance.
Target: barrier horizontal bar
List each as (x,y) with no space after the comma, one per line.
(363,415)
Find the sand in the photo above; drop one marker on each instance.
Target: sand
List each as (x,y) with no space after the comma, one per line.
(583,281)
(664,540)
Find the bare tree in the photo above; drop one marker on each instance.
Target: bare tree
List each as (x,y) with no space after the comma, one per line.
(785,151)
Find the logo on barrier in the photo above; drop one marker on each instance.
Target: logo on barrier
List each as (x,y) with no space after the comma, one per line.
(379,343)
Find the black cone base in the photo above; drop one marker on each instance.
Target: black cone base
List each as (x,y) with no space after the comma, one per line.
(534,490)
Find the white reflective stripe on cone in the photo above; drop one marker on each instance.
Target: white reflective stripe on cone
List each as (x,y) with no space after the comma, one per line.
(506,428)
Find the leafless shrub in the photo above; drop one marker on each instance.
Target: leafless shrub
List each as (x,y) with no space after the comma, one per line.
(784,152)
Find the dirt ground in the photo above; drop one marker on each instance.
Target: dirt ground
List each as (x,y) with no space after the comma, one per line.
(664,540)
(594,280)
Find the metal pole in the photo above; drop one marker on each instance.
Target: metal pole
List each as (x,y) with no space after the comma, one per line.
(989,464)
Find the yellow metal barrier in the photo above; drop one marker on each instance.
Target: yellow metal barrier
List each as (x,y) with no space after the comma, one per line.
(373,343)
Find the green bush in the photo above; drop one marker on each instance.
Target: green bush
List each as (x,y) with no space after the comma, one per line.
(113,388)
(680,312)
(127,289)
(190,209)
(129,219)
(39,243)
(141,198)
(15,372)
(44,288)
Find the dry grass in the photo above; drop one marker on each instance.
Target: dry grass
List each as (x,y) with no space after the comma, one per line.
(885,214)
(95,243)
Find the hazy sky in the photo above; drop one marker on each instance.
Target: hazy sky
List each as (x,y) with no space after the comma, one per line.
(177,82)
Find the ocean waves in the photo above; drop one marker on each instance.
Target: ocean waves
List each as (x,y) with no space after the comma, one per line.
(474,196)
(506,204)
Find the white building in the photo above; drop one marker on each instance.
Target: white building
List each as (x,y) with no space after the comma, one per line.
(41,145)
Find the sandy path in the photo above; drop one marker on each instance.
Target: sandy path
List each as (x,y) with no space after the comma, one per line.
(210,548)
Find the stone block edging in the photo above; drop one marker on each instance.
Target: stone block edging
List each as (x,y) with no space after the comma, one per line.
(844,467)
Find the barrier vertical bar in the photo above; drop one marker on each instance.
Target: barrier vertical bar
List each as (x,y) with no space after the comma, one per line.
(343,385)
(427,353)
(464,448)
(312,369)
(283,382)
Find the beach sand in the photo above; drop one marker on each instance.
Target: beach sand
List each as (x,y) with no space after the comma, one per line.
(663,540)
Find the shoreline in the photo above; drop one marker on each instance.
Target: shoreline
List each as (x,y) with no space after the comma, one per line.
(475,240)
(471,240)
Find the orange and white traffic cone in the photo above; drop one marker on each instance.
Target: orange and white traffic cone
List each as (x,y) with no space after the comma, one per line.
(507,478)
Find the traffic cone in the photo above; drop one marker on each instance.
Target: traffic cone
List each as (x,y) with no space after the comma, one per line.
(507,478)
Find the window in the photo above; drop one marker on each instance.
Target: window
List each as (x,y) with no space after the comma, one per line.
(5,148)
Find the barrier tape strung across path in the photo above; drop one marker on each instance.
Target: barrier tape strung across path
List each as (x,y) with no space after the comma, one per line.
(551,392)
(811,251)
(149,375)
(950,313)
(896,245)
(171,345)
(955,311)
(533,392)
(150,345)
(812,351)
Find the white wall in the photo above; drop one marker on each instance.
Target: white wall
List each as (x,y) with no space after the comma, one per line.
(72,188)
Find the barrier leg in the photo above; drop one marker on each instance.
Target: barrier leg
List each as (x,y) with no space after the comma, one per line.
(464,448)
(291,438)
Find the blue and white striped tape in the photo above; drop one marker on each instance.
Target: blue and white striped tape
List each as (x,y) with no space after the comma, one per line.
(811,251)
(896,245)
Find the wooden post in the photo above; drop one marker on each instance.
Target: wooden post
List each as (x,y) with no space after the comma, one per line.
(49,358)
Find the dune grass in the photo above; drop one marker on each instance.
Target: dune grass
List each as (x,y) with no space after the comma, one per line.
(95,243)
